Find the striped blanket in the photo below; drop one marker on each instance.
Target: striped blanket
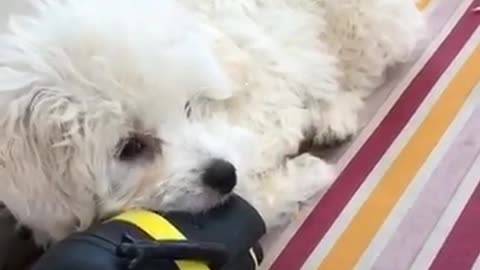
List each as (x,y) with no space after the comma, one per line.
(408,196)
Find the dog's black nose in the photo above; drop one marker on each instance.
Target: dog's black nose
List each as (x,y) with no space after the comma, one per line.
(220,175)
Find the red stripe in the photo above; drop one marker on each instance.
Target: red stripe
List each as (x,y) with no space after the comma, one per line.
(331,205)
(462,245)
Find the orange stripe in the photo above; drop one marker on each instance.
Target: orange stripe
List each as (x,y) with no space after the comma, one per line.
(356,238)
(422,4)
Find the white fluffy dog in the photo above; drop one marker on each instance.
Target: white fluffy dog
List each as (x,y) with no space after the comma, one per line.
(171,105)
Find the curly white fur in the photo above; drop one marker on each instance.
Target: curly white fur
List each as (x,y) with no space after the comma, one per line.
(81,76)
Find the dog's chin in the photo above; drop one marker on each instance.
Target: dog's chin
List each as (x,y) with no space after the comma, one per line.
(195,204)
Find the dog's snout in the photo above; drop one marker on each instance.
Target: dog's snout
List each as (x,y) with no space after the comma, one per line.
(220,175)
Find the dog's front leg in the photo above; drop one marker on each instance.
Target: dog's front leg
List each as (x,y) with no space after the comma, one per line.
(279,193)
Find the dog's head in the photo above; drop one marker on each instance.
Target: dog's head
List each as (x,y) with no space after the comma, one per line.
(94,120)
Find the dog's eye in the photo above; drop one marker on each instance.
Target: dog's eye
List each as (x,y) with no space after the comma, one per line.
(132,148)
(138,146)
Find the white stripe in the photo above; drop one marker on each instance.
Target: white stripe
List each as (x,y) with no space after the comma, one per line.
(408,198)
(433,5)
(476,265)
(375,176)
(448,219)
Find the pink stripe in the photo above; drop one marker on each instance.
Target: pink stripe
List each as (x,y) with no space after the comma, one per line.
(462,246)
(433,199)
(331,205)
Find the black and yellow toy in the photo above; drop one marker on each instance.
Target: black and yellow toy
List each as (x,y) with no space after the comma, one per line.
(224,238)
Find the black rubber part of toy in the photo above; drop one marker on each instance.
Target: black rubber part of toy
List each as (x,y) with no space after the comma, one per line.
(221,238)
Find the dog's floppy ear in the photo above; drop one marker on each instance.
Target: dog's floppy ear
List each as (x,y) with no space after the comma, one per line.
(35,170)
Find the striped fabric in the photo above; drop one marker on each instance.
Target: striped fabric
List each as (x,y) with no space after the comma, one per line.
(408,196)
